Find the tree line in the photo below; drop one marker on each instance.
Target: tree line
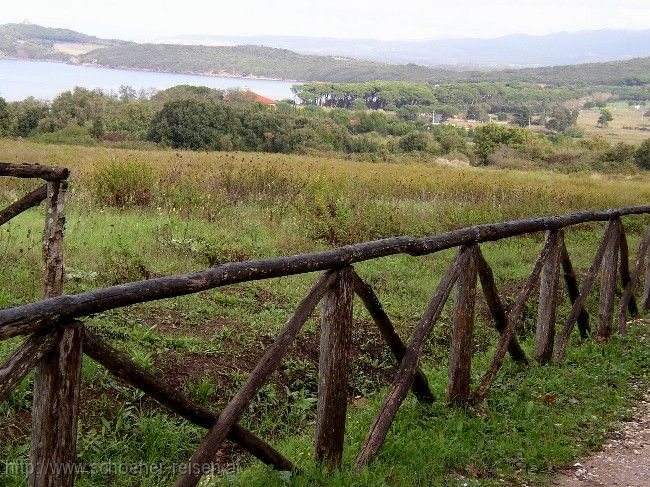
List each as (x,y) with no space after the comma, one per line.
(200,118)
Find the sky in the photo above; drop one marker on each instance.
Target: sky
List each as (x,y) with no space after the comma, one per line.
(141,20)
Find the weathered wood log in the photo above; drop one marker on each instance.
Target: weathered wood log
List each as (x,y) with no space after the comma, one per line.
(31,199)
(48,173)
(122,367)
(462,339)
(333,368)
(608,285)
(513,318)
(23,360)
(420,388)
(574,291)
(590,277)
(548,295)
(55,410)
(33,317)
(53,241)
(204,455)
(646,286)
(625,271)
(498,312)
(406,372)
(630,288)
(57,376)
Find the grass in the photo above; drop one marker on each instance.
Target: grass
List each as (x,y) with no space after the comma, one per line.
(629,124)
(138,214)
(535,419)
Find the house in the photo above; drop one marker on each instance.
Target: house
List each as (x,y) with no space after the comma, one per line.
(265,101)
(248,96)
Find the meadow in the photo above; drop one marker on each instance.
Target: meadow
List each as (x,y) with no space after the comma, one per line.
(629,124)
(137,214)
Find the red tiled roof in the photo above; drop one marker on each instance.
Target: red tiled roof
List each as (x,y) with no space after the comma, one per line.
(263,99)
(252,96)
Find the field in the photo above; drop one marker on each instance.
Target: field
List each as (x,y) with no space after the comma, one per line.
(629,124)
(75,49)
(137,214)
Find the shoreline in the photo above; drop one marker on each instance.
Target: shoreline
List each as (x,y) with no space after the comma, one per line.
(219,74)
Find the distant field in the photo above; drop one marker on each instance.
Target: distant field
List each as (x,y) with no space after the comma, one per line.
(75,49)
(629,124)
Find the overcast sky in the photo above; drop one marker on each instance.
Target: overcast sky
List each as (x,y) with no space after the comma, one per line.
(380,19)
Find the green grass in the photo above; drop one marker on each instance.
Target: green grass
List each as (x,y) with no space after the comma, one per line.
(516,438)
(202,209)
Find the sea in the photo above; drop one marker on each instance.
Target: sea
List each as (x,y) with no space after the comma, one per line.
(45,80)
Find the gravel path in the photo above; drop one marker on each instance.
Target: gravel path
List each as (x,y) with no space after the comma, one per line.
(624,460)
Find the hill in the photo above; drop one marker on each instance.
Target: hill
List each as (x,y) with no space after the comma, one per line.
(508,51)
(253,61)
(36,42)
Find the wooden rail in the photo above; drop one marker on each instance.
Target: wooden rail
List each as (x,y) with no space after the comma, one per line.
(58,338)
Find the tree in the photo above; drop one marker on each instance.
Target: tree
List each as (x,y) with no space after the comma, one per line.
(98,129)
(5,118)
(642,156)
(414,142)
(562,118)
(29,113)
(605,117)
(522,116)
(193,124)
(127,93)
(478,113)
(490,137)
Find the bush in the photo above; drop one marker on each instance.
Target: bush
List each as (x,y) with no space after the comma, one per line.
(336,218)
(415,142)
(120,184)
(490,137)
(642,156)
(72,134)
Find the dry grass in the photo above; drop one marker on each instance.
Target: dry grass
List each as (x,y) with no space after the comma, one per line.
(512,193)
(626,127)
(74,48)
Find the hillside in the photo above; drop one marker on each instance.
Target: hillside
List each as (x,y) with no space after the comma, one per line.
(35,42)
(517,50)
(254,61)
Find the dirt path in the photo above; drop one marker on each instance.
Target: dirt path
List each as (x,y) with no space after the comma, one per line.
(624,460)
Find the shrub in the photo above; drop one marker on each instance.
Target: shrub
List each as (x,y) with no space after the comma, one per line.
(336,218)
(72,134)
(126,183)
(415,142)
(642,156)
(490,137)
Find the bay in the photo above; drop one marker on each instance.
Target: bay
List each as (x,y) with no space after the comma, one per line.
(44,80)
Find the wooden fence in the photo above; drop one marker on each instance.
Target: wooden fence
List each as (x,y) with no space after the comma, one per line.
(58,339)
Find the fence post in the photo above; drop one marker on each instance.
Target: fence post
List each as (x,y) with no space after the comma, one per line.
(53,239)
(57,376)
(460,356)
(608,284)
(333,365)
(573,289)
(624,268)
(646,284)
(548,289)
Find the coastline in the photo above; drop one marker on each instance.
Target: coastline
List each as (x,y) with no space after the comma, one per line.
(209,74)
